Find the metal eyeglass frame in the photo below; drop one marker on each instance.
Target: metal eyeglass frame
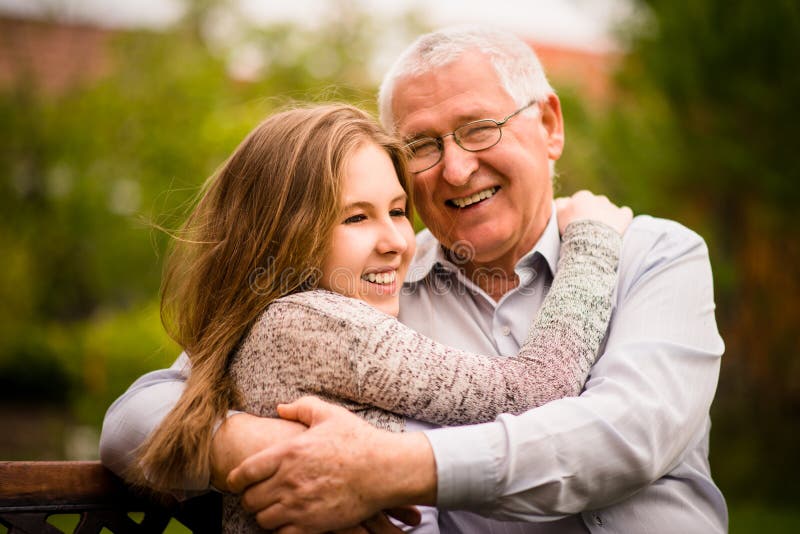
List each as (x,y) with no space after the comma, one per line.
(440,140)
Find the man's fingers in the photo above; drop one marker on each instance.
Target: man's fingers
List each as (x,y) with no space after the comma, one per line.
(255,468)
(307,410)
(301,410)
(272,518)
(307,483)
(410,515)
(258,497)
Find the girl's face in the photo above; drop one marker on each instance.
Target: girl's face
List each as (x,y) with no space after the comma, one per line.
(374,242)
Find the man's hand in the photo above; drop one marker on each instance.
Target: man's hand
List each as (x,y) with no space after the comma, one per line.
(241,436)
(339,473)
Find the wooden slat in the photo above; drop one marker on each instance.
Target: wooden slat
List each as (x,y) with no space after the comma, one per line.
(78,483)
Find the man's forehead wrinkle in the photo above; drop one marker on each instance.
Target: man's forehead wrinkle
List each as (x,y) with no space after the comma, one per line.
(431,112)
(439,100)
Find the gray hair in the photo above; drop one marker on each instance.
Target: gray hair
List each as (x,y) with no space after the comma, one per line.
(519,70)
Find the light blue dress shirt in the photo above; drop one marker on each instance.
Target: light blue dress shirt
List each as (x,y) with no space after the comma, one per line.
(630,454)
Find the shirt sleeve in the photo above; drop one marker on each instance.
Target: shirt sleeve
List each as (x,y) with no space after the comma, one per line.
(368,357)
(645,405)
(138,412)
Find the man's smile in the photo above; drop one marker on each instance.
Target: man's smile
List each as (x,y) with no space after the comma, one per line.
(463,202)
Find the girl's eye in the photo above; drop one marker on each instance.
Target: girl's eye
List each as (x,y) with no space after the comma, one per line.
(398,212)
(355,219)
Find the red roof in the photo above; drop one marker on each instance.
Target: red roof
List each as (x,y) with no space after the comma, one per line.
(587,71)
(51,56)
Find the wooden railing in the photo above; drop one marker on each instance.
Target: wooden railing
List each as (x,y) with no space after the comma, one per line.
(34,494)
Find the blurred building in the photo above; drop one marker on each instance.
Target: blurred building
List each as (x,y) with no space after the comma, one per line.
(55,56)
(588,72)
(50,56)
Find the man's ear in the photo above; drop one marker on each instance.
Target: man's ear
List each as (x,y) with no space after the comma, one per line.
(553,123)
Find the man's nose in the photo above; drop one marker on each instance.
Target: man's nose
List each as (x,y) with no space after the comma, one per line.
(457,164)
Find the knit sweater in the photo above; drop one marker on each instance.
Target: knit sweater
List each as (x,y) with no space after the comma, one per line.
(349,353)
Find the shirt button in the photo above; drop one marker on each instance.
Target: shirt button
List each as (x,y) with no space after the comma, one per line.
(506,331)
(597,520)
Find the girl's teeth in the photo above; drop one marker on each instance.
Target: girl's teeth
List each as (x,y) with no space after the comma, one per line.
(381,278)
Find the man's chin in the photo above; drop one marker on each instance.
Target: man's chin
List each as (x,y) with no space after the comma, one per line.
(479,250)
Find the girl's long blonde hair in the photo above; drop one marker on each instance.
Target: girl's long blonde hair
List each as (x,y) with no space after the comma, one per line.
(259,231)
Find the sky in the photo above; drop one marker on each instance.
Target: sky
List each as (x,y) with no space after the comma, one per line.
(578,23)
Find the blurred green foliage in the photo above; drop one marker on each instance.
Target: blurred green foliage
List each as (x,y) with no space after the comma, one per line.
(86,173)
(699,129)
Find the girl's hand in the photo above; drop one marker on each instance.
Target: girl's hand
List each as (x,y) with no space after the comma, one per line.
(586,205)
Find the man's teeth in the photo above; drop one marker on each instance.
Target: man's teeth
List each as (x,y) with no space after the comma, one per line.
(380,278)
(477,197)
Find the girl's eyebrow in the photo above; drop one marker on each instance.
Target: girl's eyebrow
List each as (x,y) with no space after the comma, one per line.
(363,204)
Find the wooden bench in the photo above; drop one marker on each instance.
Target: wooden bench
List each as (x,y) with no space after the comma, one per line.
(32,493)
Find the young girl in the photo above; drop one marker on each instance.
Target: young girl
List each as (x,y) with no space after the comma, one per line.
(286,279)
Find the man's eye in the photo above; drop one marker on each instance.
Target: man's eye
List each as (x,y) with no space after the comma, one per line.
(478,132)
(355,219)
(398,212)
(424,147)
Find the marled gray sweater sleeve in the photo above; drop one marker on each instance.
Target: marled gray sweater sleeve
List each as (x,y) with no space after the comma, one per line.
(344,350)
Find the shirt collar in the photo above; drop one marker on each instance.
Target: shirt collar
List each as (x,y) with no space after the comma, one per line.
(431,254)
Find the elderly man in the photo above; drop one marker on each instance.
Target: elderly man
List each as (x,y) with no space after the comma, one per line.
(630,454)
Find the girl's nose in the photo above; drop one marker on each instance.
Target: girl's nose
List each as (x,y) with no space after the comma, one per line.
(391,239)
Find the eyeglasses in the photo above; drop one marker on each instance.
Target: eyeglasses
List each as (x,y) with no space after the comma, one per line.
(426,152)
